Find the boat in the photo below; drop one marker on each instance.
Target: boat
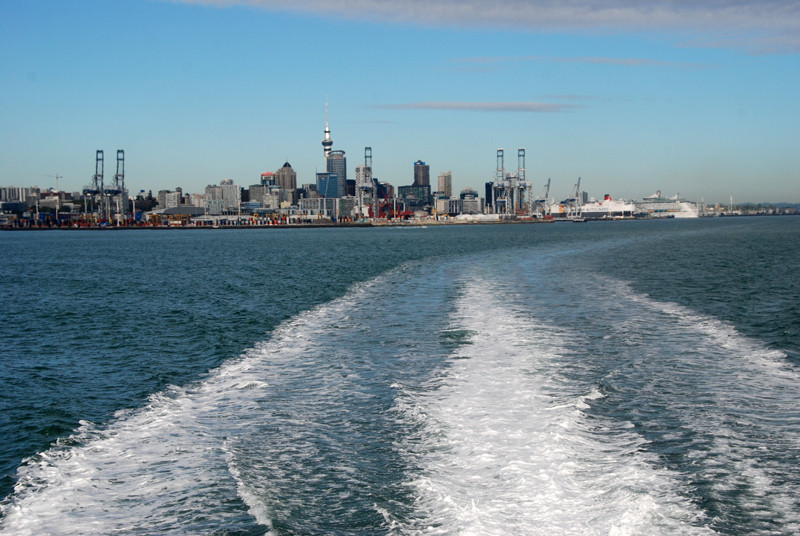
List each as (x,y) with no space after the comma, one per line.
(607,209)
(658,206)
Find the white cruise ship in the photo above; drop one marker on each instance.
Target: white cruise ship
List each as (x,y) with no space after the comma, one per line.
(656,206)
(607,209)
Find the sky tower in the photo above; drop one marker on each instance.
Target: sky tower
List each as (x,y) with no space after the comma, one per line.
(327,142)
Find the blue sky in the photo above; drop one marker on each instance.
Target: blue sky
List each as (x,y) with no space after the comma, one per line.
(696,98)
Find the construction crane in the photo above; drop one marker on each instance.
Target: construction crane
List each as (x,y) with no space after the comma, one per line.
(57,193)
(56,177)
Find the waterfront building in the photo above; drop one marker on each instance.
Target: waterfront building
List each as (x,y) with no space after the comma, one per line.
(213,207)
(443,206)
(213,192)
(446,183)
(274,197)
(415,197)
(173,199)
(231,194)
(170,198)
(17,193)
(197,200)
(16,207)
(471,202)
(331,208)
(468,202)
(345,207)
(257,193)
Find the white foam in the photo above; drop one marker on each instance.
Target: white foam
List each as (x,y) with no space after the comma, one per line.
(256,506)
(717,332)
(506,448)
(166,466)
(745,404)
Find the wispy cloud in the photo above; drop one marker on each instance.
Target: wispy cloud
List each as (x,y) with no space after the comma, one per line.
(624,62)
(531,107)
(761,26)
(375,122)
(569,96)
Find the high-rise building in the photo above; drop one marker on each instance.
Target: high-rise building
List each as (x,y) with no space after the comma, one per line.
(446,183)
(213,193)
(364,176)
(231,194)
(336,164)
(173,199)
(328,185)
(16,193)
(286,177)
(257,192)
(267,178)
(422,174)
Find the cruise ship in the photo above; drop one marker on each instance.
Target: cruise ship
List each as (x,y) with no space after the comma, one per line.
(657,206)
(607,209)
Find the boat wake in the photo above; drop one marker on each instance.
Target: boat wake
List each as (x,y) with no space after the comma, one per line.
(505,445)
(483,403)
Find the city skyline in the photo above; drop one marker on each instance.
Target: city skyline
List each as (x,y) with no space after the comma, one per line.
(632,99)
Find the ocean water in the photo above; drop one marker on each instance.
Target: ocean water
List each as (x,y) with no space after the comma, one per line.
(619,378)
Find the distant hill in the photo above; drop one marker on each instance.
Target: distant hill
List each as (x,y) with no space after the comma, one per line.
(795,206)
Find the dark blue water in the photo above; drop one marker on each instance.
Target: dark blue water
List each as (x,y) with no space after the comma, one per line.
(626,377)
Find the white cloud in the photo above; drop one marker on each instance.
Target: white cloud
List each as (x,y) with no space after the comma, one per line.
(761,26)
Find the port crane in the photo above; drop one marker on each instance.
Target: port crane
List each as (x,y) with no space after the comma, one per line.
(96,190)
(119,186)
(540,204)
(575,201)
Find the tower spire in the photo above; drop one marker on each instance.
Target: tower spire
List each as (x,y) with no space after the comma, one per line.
(327,142)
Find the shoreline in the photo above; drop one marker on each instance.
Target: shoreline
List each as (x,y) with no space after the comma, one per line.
(280,226)
(360,224)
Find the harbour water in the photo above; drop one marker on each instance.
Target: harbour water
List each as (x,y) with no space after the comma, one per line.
(636,377)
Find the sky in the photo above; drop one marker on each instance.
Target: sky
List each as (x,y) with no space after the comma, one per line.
(697,98)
